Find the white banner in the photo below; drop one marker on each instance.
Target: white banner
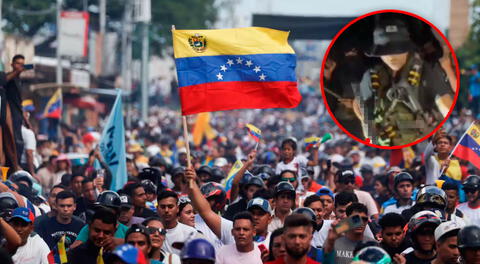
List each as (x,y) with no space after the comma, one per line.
(73,34)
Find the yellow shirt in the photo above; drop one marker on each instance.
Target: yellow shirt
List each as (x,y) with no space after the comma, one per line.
(453,171)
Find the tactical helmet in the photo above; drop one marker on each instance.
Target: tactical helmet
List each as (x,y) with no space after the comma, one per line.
(109,199)
(284,187)
(267,169)
(308,213)
(8,203)
(469,237)
(402,176)
(198,249)
(255,180)
(151,174)
(431,196)
(373,254)
(157,161)
(178,170)
(149,186)
(263,175)
(22,175)
(217,174)
(213,189)
(366,168)
(268,157)
(422,218)
(472,182)
(205,169)
(246,177)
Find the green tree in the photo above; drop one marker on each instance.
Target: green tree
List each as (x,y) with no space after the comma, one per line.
(27,17)
(469,53)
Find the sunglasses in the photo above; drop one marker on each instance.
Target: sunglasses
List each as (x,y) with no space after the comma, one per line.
(364,219)
(161,231)
(288,179)
(347,181)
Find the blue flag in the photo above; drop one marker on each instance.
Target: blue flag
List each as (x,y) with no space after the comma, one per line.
(112,145)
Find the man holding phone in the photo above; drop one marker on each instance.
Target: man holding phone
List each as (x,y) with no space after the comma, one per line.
(11,120)
(338,249)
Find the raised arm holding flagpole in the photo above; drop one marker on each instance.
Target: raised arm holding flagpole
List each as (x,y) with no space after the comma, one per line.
(467,147)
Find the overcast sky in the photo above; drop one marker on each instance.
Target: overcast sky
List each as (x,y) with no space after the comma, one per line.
(436,11)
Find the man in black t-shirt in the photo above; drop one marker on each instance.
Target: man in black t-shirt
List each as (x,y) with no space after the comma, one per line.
(11,124)
(63,223)
(421,229)
(393,236)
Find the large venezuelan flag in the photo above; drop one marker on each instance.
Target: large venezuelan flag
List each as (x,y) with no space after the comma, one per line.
(469,146)
(53,109)
(239,68)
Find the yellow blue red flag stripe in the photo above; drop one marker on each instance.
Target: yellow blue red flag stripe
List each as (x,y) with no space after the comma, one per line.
(469,146)
(239,68)
(255,132)
(53,109)
(311,141)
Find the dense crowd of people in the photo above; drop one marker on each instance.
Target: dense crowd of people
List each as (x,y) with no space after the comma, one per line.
(239,202)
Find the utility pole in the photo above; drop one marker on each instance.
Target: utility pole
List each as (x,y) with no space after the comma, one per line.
(103,16)
(145,46)
(59,76)
(127,56)
(143,15)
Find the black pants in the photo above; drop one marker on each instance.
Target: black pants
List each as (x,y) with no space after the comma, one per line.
(17,120)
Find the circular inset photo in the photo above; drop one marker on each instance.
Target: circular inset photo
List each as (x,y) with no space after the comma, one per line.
(390,79)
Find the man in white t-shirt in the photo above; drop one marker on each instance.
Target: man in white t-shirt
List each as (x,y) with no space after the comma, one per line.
(215,228)
(33,249)
(284,198)
(28,159)
(167,209)
(262,216)
(322,226)
(243,251)
(471,208)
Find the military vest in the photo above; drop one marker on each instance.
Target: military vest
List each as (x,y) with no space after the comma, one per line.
(396,111)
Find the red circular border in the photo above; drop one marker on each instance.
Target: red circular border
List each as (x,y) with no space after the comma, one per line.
(367,141)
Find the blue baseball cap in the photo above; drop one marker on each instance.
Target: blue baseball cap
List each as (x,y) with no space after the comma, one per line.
(128,254)
(325,191)
(24,214)
(260,203)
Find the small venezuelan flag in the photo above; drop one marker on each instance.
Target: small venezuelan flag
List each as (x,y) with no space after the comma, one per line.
(59,253)
(27,105)
(311,141)
(100,257)
(231,174)
(254,132)
(53,109)
(468,148)
(237,68)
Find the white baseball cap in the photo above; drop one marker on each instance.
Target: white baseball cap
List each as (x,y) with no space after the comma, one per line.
(446,227)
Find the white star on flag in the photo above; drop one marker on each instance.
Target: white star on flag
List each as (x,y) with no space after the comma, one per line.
(262,77)
(230,62)
(219,76)
(248,63)
(257,69)
(223,68)
(239,60)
